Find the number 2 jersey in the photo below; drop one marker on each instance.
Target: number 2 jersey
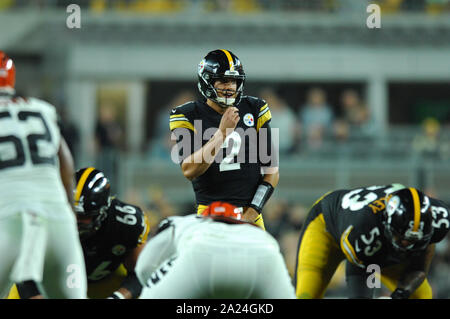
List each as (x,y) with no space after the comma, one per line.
(124,228)
(236,171)
(354,219)
(29,145)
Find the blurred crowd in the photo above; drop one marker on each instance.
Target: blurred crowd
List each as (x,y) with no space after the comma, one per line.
(317,127)
(158,6)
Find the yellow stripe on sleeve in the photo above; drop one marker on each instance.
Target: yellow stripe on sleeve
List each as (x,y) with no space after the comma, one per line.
(143,237)
(176,115)
(180,124)
(263,119)
(348,249)
(81,183)
(263,107)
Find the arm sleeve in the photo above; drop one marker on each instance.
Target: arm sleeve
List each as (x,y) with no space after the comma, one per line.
(356,279)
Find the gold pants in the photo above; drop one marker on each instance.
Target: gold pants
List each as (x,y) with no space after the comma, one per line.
(319,256)
(96,290)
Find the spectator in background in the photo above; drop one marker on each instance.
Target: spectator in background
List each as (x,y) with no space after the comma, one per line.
(161,143)
(355,115)
(108,136)
(316,118)
(427,142)
(283,118)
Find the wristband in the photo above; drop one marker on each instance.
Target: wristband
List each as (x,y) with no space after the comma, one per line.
(262,195)
(400,293)
(116,295)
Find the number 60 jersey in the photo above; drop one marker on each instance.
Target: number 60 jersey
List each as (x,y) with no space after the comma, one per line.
(236,171)
(29,145)
(354,218)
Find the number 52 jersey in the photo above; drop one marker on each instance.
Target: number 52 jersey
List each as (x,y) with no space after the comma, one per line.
(29,145)
(354,218)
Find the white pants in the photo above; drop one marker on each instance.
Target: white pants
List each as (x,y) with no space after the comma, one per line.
(46,250)
(220,272)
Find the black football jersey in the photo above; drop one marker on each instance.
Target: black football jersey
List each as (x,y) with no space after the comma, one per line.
(354,218)
(125,228)
(236,171)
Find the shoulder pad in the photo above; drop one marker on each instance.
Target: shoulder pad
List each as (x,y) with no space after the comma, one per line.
(254,101)
(182,116)
(260,109)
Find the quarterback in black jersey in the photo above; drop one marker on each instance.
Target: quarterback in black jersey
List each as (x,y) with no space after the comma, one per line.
(224,140)
(391,228)
(112,235)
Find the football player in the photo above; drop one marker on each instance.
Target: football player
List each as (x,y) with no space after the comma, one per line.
(38,234)
(224,140)
(112,235)
(203,256)
(390,228)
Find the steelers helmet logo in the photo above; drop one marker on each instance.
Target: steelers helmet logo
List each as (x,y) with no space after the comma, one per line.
(249,120)
(201,66)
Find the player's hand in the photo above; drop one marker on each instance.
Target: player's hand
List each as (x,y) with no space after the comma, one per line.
(229,120)
(250,214)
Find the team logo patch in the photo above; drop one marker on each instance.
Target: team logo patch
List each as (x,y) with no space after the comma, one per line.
(249,120)
(118,250)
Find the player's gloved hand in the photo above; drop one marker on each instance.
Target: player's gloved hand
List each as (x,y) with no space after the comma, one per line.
(116,295)
(400,293)
(229,120)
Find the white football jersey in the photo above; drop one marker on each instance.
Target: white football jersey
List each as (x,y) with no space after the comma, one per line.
(29,144)
(193,256)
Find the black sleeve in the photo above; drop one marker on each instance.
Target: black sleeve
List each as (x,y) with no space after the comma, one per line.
(267,146)
(185,143)
(357,285)
(27,289)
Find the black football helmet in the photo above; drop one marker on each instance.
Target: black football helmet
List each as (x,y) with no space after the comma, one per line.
(220,65)
(407,220)
(91,198)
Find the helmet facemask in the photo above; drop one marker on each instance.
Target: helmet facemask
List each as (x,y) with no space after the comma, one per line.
(213,93)
(86,230)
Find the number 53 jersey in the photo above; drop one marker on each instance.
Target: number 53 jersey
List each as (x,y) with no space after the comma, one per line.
(354,219)
(29,145)
(236,171)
